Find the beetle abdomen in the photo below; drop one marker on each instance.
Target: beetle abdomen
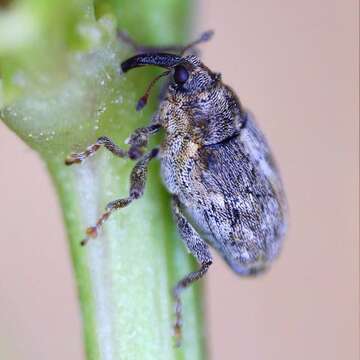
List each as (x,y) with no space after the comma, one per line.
(233,196)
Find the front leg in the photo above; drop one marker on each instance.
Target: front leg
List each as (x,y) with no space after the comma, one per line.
(200,250)
(138,140)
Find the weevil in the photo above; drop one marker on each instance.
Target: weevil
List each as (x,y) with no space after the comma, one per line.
(215,162)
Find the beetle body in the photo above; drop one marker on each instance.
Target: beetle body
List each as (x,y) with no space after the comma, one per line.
(216,163)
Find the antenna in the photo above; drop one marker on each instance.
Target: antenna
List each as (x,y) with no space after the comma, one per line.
(143,100)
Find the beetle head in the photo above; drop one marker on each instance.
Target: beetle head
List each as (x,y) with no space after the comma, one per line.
(189,75)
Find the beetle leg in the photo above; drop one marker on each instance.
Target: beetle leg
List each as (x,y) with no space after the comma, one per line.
(138,48)
(138,140)
(137,186)
(76,158)
(200,250)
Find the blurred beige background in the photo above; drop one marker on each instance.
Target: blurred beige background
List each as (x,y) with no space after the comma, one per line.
(295,65)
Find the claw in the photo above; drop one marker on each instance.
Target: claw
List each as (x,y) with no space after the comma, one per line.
(177,335)
(84,241)
(72,159)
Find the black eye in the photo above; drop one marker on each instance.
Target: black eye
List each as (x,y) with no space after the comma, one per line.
(180,74)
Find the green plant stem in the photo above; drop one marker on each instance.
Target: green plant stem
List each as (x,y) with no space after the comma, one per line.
(125,276)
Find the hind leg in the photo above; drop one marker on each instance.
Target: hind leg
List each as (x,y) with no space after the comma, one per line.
(200,250)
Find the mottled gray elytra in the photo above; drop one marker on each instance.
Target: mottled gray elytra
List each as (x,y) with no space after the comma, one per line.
(215,162)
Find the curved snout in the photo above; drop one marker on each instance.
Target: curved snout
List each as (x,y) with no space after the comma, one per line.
(164,60)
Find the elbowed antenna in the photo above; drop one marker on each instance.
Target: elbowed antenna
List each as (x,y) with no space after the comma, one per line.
(164,60)
(158,59)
